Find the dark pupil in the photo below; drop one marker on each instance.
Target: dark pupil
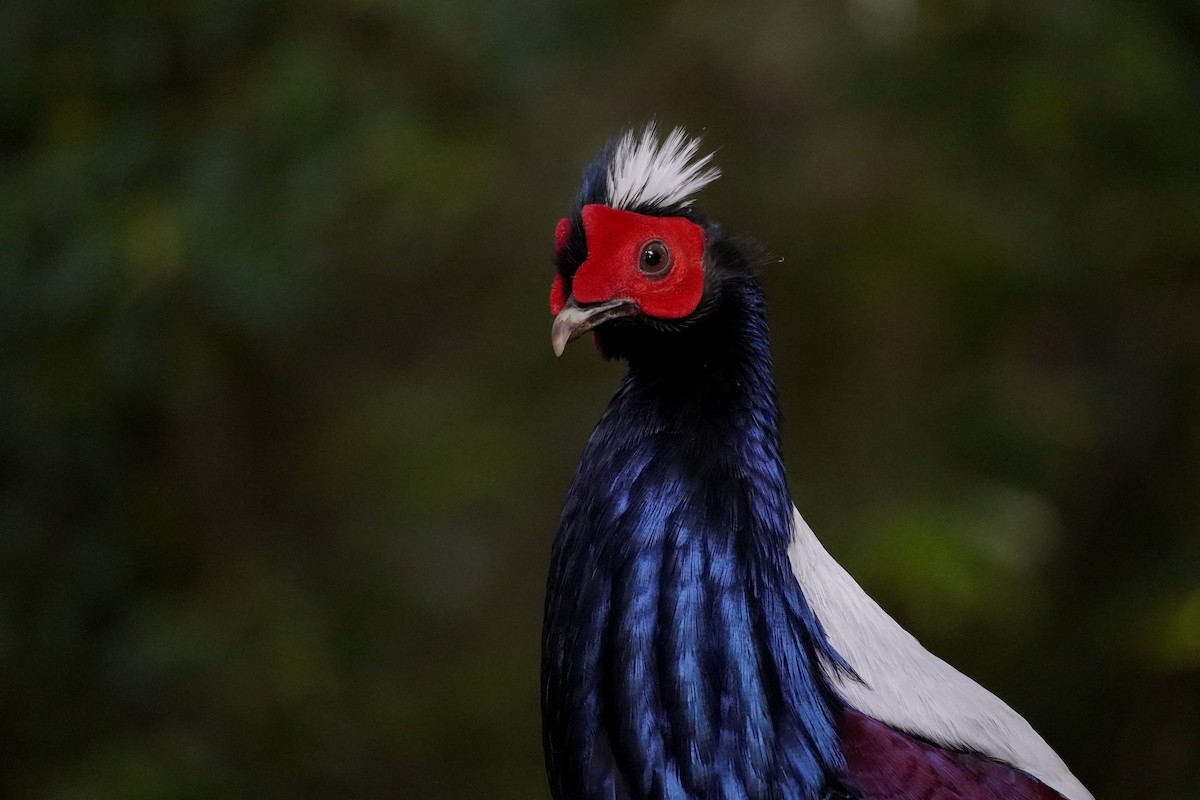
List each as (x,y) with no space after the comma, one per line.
(652,257)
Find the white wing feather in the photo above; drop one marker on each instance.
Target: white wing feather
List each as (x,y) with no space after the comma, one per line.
(906,686)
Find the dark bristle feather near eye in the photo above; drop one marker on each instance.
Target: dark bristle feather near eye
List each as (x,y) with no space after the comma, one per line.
(574,252)
(593,188)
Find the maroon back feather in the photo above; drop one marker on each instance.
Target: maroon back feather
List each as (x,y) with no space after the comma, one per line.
(885,764)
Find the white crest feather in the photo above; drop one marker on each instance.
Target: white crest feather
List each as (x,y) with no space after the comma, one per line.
(643,173)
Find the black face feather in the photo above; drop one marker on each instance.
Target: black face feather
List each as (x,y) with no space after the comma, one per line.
(593,187)
(573,253)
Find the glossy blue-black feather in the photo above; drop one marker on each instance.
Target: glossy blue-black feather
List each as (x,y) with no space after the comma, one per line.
(680,657)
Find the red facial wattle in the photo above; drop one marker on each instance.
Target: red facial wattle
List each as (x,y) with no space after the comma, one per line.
(558,297)
(613,270)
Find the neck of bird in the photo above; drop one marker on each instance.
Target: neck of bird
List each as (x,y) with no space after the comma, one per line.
(680,649)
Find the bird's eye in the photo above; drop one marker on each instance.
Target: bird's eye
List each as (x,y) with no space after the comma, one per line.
(655,259)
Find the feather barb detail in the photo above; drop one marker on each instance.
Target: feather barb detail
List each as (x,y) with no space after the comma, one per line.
(643,172)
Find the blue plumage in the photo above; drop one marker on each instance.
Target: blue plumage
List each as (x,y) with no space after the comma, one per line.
(681,657)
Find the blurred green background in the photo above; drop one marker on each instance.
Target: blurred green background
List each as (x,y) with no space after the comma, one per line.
(283,443)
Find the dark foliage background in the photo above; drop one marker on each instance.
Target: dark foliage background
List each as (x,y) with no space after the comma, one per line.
(282,442)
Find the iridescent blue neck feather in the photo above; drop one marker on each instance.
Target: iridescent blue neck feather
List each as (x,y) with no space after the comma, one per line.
(681,659)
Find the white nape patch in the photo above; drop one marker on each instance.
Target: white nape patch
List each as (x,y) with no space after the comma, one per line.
(906,686)
(643,173)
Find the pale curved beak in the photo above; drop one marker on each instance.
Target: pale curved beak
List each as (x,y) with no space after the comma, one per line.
(575,320)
